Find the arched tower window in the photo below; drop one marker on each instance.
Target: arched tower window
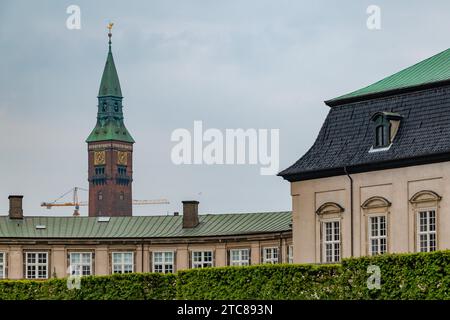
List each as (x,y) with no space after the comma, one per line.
(100,195)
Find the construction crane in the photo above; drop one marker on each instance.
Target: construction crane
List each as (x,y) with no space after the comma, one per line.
(77,204)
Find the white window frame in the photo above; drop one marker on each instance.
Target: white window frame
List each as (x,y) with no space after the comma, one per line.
(36,264)
(122,263)
(166,266)
(274,255)
(426,233)
(378,237)
(3,265)
(77,268)
(202,262)
(240,261)
(335,244)
(290,254)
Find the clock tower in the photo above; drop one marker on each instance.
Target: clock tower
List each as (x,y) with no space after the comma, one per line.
(110,150)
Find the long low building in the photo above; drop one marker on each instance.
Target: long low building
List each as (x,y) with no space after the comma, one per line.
(43,247)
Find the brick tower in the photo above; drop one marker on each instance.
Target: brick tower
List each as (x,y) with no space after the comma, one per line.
(110,150)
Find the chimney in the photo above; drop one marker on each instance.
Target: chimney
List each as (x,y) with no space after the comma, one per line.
(190,214)
(15,207)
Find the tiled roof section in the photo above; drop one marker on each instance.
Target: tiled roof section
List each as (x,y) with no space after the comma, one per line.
(432,70)
(145,226)
(347,135)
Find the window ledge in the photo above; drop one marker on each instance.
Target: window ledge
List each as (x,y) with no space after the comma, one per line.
(379,149)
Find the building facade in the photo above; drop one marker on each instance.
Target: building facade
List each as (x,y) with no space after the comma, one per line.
(377,178)
(55,247)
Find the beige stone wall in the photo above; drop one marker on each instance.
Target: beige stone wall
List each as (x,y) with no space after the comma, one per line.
(397,186)
(102,253)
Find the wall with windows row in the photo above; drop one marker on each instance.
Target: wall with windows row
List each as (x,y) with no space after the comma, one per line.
(394,211)
(46,260)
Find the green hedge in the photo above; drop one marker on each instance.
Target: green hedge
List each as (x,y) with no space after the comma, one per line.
(260,282)
(403,276)
(136,286)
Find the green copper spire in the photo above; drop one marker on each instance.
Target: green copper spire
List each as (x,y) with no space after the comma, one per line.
(110,85)
(110,125)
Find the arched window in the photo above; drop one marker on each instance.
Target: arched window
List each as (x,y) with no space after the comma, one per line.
(330,217)
(376,209)
(100,195)
(425,208)
(386,126)
(122,196)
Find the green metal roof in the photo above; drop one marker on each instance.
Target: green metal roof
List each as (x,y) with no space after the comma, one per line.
(110,85)
(428,71)
(144,226)
(110,131)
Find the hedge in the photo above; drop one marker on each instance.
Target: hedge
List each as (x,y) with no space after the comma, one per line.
(135,286)
(403,276)
(261,282)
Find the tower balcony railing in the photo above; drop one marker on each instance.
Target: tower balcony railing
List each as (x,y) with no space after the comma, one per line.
(98,179)
(123,179)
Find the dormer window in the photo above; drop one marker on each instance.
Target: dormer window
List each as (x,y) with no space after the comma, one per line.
(386,126)
(381,133)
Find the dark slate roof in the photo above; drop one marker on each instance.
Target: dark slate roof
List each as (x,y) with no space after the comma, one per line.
(145,226)
(348,134)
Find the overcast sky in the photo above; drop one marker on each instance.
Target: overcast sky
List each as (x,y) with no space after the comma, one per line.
(232,64)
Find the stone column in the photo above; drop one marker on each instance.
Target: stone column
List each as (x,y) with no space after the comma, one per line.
(101,261)
(15,263)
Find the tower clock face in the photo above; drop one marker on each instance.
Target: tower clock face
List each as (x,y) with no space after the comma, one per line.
(122,158)
(99,157)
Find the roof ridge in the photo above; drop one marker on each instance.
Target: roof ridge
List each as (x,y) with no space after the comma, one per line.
(155,216)
(432,70)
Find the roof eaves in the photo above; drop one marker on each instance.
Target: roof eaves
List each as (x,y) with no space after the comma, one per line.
(382,94)
(366,167)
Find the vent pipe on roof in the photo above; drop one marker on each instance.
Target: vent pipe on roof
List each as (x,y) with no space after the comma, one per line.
(190,214)
(15,207)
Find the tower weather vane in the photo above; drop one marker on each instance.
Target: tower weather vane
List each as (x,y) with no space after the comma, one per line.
(110,26)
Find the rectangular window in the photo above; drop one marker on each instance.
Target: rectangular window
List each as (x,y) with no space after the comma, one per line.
(290,254)
(99,170)
(239,257)
(122,262)
(122,171)
(81,263)
(270,255)
(163,262)
(377,235)
(202,259)
(2,265)
(426,230)
(331,242)
(36,265)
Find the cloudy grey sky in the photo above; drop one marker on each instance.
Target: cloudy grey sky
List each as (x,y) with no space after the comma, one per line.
(233,64)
